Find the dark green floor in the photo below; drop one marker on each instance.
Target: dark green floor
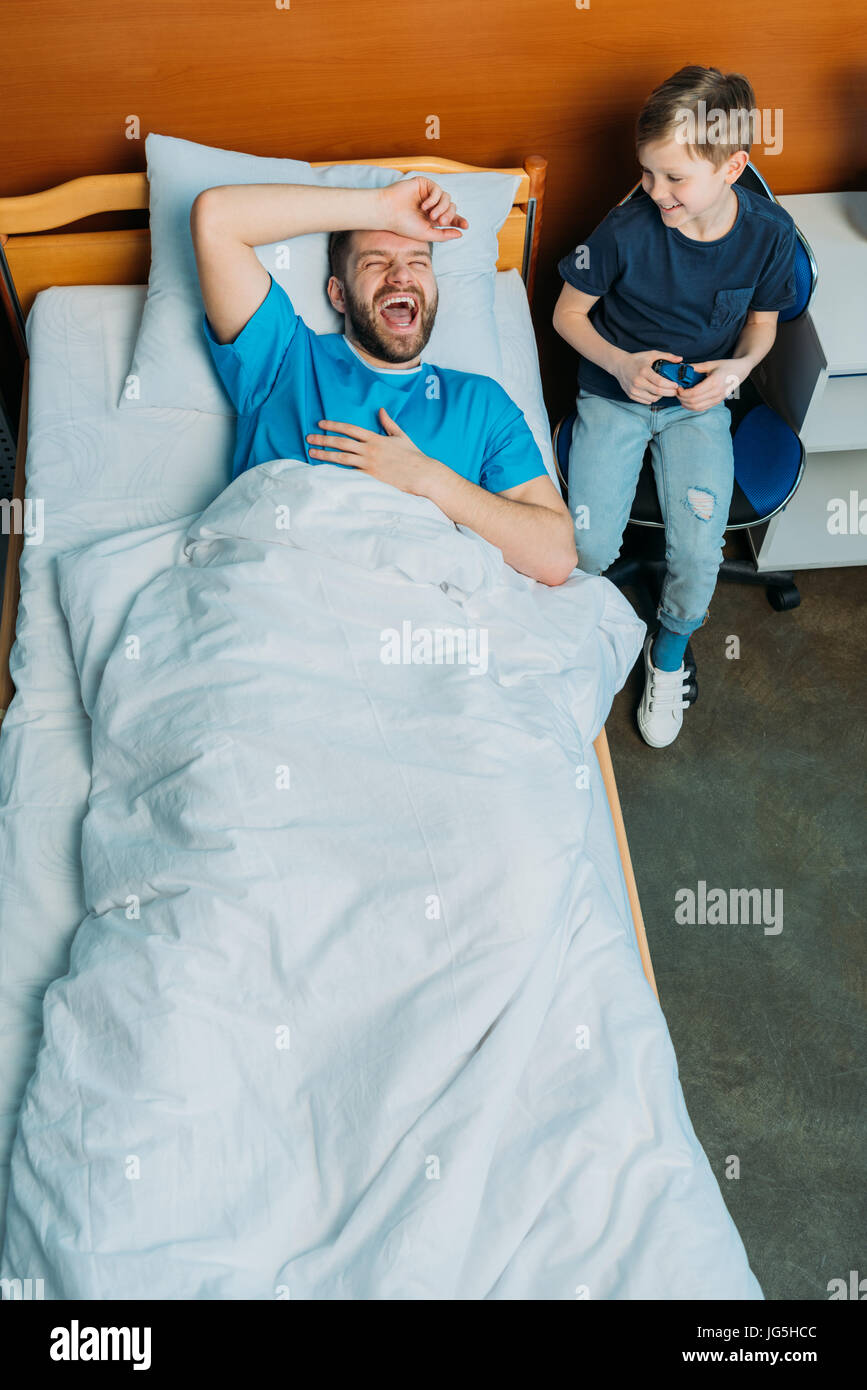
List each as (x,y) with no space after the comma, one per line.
(764,788)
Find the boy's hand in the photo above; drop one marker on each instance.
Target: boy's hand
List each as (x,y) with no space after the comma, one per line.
(419,208)
(392,457)
(640,382)
(721,380)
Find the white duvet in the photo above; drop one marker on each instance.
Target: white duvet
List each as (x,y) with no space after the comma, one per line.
(353,1013)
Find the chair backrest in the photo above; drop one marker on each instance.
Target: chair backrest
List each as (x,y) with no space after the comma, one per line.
(806,271)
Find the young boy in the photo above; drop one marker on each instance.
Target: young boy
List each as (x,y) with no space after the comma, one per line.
(691,269)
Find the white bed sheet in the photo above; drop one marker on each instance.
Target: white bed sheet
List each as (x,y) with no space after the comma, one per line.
(102,472)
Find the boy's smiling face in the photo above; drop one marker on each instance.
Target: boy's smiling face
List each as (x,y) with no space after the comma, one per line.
(686,188)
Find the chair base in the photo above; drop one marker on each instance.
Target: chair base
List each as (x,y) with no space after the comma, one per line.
(779,585)
(782,592)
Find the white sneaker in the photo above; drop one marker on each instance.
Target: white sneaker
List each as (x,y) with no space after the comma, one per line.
(660,714)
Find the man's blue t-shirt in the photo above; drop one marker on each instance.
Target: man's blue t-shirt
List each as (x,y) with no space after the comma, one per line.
(283,379)
(660,289)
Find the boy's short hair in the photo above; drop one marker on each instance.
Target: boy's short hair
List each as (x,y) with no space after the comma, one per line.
(700,107)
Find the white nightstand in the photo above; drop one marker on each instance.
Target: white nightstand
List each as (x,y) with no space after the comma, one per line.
(815,376)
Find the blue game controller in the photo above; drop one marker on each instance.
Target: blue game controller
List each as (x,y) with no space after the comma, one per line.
(679,372)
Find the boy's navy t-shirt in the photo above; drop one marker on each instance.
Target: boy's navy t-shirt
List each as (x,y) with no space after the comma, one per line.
(660,289)
(283,378)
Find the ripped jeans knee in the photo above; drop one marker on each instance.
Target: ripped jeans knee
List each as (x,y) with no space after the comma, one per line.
(700,502)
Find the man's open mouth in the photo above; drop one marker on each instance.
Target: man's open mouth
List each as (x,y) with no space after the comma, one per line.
(400,312)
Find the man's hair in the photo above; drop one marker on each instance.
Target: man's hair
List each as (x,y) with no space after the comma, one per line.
(672,112)
(338,253)
(339,246)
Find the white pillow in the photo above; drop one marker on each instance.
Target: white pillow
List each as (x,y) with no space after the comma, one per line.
(171,365)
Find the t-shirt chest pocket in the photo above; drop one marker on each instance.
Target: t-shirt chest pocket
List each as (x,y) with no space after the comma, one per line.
(729,306)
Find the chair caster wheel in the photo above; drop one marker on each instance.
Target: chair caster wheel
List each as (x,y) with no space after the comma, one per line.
(782,597)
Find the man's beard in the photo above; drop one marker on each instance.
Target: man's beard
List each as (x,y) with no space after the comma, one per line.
(371,334)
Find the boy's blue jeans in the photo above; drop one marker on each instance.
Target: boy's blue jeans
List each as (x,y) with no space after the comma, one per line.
(693,464)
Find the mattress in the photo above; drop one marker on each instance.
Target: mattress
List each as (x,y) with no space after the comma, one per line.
(100,472)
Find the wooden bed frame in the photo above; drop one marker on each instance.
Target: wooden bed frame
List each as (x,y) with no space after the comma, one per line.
(31,261)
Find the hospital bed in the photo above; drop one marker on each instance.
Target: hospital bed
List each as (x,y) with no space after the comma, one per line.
(35,262)
(104,476)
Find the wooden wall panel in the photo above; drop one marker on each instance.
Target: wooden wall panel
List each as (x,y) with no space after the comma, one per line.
(323,79)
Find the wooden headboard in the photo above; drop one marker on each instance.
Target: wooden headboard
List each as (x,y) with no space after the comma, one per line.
(30,262)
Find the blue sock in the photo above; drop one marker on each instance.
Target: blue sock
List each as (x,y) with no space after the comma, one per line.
(668,649)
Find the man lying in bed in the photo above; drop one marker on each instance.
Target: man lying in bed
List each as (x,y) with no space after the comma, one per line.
(365,398)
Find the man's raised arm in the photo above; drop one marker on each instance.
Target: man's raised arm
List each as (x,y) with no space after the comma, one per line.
(228,221)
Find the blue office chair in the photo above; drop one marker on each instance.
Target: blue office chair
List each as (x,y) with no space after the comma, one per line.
(768,458)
